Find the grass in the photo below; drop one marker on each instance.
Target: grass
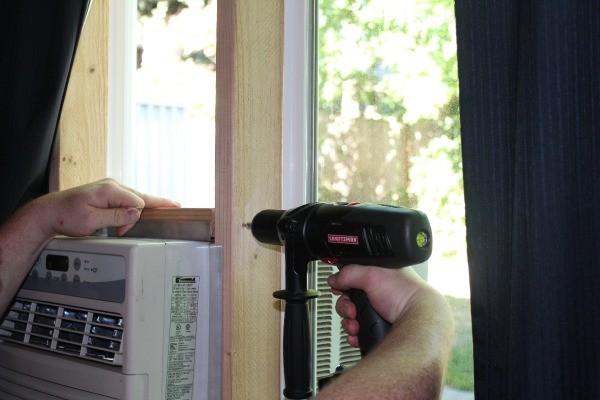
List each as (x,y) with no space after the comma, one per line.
(460,367)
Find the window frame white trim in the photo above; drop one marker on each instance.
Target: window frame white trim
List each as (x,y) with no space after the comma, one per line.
(298,170)
(298,160)
(121,64)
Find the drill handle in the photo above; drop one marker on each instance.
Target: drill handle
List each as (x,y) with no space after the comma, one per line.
(297,355)
(372,326)
(297,348)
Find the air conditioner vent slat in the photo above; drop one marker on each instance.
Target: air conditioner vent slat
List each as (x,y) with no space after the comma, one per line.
(68,330)
(331,348)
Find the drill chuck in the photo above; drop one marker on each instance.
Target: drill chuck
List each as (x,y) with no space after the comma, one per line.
(264,226)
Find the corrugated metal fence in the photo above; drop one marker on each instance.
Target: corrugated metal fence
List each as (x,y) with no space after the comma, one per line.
(171,156)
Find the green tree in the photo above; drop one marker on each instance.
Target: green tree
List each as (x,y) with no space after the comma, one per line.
(169,8)
(384,61)
(172,7)
(389,127)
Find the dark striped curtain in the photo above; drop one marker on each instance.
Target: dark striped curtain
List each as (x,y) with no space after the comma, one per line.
(37,44)
(529,76)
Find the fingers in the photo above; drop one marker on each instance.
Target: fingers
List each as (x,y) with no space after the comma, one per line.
(347,278)
(352,340)
(350,326)
(85,223)
(152,201)
(346,309)
(109,193)
(123,218)
(124,205)
(159,202)
(106,203)
(388,291)
(132,215)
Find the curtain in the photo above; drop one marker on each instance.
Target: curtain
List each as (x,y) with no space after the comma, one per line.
(37,44)
(529,75)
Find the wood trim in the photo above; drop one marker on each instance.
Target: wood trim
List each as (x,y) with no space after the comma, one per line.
(248,179)
(178,214)
(80,151)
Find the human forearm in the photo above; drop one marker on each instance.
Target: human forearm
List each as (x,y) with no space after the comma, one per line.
(22,238)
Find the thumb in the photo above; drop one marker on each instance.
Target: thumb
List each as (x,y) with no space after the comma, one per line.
(116,217)
(132,216)
(126,216)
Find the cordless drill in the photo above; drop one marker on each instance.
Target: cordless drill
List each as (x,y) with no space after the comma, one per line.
(338,234)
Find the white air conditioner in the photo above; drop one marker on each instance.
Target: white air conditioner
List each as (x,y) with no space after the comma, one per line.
(113,318)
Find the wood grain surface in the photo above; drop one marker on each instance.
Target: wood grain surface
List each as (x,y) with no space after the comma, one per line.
(80,151)
(248,154)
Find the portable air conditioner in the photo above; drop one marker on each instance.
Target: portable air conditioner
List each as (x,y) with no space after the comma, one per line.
(114,318)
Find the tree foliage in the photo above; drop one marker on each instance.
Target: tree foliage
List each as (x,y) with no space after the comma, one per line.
(391,51)
(167,9)
(387,75)
(146,8)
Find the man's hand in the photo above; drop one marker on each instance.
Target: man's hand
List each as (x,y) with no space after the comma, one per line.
(390,292)
(106,203)
(410,361)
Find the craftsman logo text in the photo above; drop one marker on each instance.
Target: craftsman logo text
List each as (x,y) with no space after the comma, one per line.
(342,239)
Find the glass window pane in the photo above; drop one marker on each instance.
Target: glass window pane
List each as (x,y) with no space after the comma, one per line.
(172,142)
(388,129)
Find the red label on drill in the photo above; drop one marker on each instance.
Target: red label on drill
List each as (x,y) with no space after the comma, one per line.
(342,239)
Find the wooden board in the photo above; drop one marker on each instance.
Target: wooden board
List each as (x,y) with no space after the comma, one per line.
(249,123)
(174,223)
(178,214)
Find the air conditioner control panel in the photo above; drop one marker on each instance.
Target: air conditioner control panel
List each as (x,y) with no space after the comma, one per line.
(90,275)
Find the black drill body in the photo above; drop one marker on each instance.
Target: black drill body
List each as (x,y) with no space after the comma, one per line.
(338,234)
